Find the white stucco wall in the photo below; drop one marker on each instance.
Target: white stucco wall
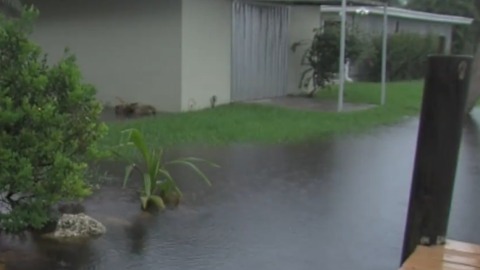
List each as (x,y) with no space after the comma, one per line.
(206,52)
(129,49)
(303,19)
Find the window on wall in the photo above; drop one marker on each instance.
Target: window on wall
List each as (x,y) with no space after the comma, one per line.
(397,26)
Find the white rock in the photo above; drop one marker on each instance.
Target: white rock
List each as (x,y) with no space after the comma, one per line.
(78,226)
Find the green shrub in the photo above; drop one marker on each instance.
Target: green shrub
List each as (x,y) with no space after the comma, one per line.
(321,58)
(49,123)
(406,57)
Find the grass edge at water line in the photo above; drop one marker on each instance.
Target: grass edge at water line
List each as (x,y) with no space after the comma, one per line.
(256,123)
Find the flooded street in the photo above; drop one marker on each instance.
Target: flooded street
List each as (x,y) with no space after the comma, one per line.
(334,205)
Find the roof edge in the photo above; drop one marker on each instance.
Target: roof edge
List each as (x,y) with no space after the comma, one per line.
(405,13)
(322,2)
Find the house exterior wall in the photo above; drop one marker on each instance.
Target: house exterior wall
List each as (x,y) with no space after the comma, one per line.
(303,20)
(206,52)
(374,24)
(127,49)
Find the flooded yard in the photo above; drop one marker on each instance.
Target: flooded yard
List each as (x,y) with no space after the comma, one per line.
(335,204)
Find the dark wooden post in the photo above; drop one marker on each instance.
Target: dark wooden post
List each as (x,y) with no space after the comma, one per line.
(438,143)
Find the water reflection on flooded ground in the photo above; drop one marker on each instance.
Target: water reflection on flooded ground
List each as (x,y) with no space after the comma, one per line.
(338,204)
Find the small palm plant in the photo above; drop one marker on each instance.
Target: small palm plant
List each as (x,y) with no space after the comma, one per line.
(159,187)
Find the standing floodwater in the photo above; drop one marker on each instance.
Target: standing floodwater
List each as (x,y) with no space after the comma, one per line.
(338,204)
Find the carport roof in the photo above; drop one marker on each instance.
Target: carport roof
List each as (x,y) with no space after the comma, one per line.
(375,8)
(327,2)
(406,14)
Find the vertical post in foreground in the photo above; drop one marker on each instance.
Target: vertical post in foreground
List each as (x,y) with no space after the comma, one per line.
(438,143)
(341,72)
(384,54)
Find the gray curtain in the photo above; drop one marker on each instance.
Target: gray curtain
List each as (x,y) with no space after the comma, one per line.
(260,51)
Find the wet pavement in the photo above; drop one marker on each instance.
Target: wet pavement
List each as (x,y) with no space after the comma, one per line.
(332,205)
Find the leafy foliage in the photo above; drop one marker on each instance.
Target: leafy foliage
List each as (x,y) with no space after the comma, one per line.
(159,186)
(49,123)
(464,37)
(398,3)
(450,7)
(404,61)
(321,58)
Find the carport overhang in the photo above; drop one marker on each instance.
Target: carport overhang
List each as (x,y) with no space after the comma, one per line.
(344,4)
(405,14)
(377,7)
(324,2)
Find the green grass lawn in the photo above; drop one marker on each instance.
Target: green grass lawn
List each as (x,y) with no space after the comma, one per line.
(268,124)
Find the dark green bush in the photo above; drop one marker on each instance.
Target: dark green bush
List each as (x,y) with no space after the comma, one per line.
(49,123)
(406,57)
(321,59)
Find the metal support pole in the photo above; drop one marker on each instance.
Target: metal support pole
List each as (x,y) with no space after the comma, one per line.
(384,53)
(341,73)
(438,143)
